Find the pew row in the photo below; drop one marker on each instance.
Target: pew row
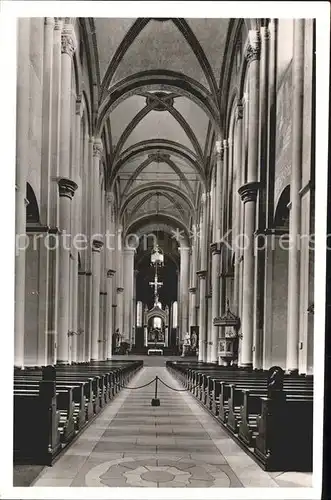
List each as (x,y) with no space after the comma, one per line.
(53,404)
(268,413)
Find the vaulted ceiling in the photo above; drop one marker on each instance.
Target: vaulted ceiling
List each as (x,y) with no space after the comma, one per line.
(159,108)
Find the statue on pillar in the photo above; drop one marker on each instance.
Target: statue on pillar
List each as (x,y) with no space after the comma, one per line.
(186,344)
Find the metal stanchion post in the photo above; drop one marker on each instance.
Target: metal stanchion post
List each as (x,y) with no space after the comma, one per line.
(155,401)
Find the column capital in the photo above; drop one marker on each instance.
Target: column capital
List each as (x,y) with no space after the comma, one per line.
(129,250)
(97,148)
(219,149)
(110,273)
(202,274)
(68,40)
(58,23)
(253,48)
(67,188)
(265,32)
(110,197)
(97,245)
(49,21)
(215,248)
(248,192)
(184,249)
(239,110)
(79,108)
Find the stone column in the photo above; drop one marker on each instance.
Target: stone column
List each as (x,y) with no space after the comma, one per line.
(22,157)
(45,334)
(119,311)
(238,160)
(102,325)
(109,313)
(81,316)
(66,191)
(134,307)
(179,317)
(52,187)
(293,323)
(145,336)
(192,315)
(184,286)
(248,193)
(109,250)
(202,316)
(260,253)
(76,211)
(96,278)
(128,287)
(97,245)
(88,315)
(218,199)
(216,251)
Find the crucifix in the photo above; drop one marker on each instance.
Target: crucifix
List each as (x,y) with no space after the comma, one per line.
(156,284)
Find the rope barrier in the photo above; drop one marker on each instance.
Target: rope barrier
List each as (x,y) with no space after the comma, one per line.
(153,380)
(155,401)
(139,387)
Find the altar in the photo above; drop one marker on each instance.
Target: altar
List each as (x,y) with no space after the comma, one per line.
(156,327)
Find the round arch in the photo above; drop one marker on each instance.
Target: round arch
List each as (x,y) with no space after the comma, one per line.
(156,80)
(160,186)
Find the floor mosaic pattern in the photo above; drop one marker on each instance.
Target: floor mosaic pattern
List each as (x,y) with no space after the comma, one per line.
(175,445)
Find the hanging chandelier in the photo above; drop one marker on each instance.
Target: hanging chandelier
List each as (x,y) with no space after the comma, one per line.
(157,257)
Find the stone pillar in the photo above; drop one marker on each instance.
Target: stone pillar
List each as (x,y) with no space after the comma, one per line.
(128,287)
(218,199)
(119,311)
(145,336)
(76,212)
(184,286)
(202,316)
(193,303)
(88,315)
(248,193)
(96,278)
(97,245)
(134,307)
(22,158)
(293,323)
(102,326)
(66,191)
(109,313)
(238,160)
(44,334)
(179,318)
(81,316)
(53,274)
(259,276)
(216,251)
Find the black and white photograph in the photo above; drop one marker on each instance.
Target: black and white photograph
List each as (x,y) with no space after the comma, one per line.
(165,184)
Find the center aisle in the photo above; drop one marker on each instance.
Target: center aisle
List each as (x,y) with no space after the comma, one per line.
(177,444)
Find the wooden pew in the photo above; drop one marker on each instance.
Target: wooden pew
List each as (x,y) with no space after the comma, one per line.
(36,439)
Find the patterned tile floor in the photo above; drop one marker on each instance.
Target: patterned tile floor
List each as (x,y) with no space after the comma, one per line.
(175,445)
